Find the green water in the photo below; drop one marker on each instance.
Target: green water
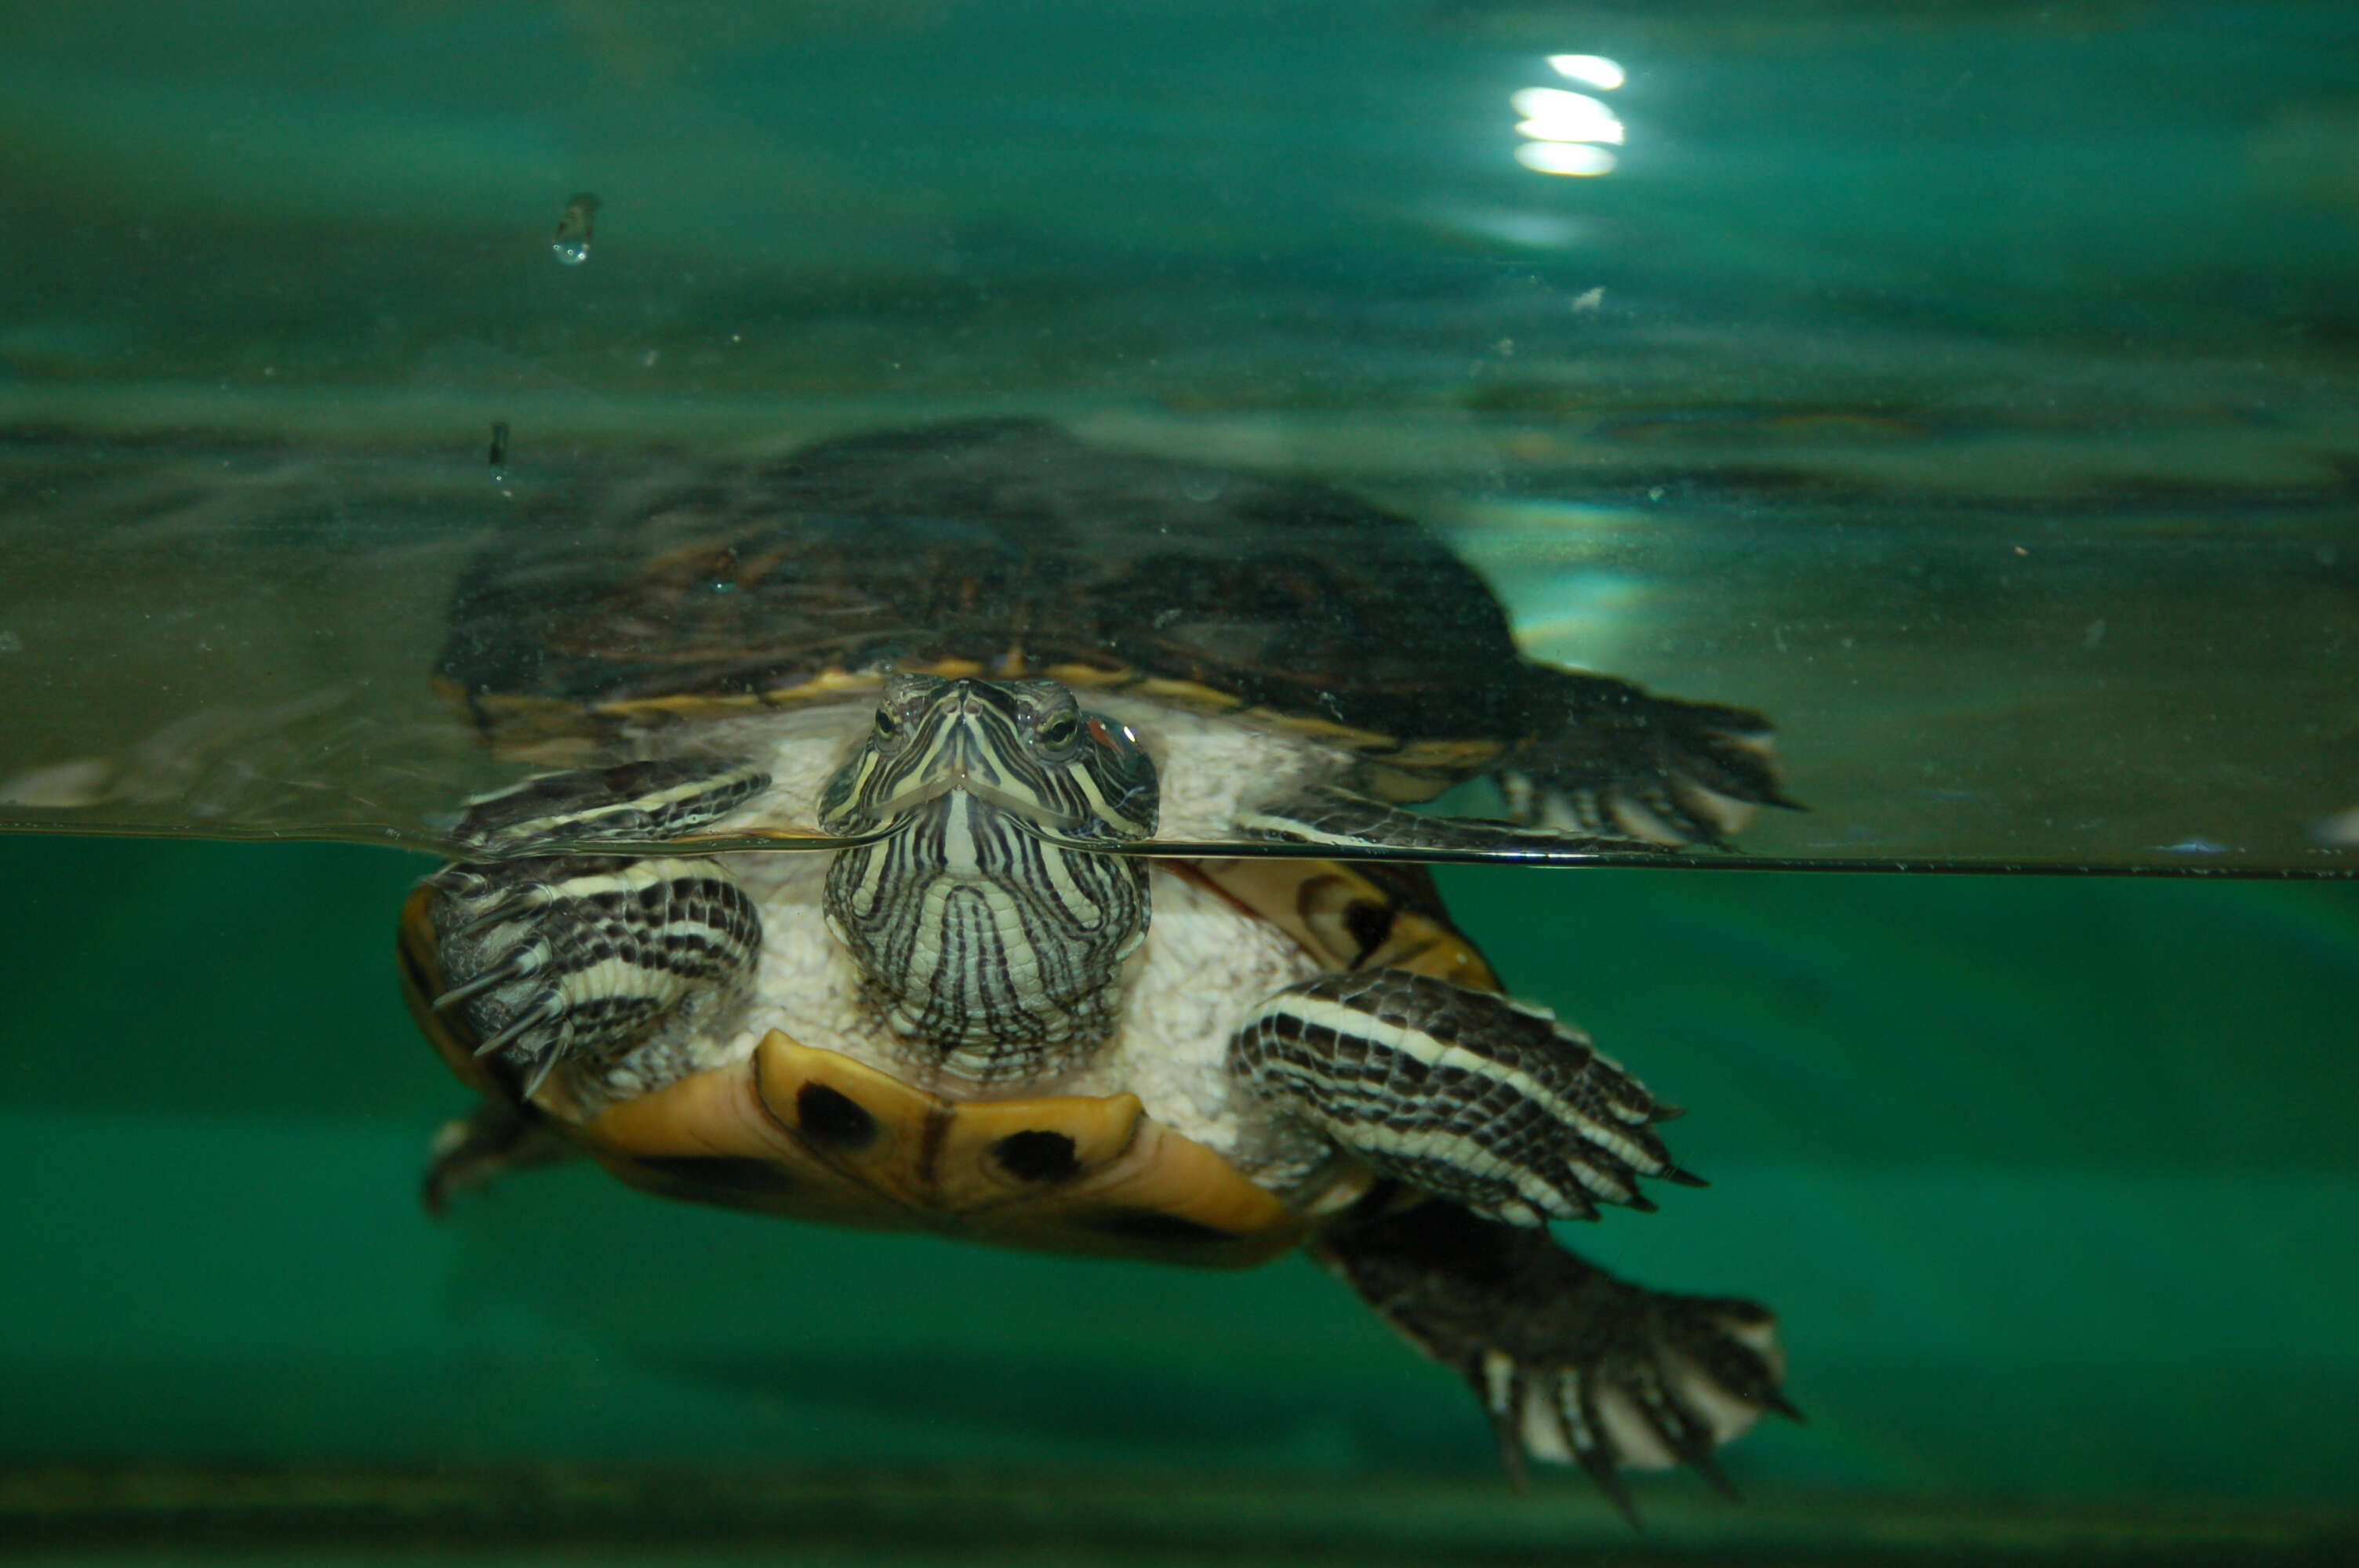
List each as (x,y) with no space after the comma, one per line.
(1970,387)
(2051,1182)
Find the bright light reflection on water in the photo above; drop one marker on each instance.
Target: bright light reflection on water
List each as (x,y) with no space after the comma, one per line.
(1565,157)
(1592,70)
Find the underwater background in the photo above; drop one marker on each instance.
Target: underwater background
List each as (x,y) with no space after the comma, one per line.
(2050,1182)
(1969,385)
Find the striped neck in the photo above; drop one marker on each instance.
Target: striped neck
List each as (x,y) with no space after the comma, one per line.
(994,950)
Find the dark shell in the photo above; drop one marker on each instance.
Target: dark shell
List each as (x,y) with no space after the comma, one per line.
(1008,544)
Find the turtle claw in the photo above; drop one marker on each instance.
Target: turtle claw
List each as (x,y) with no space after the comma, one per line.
(577,961)
(1572,1365)
(1462,1093)
(1701,1462)
(542,1066)
(1653,1381)
(549,1011)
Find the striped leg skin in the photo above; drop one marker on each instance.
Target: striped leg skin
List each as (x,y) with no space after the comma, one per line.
(1339,819)
(579,961)
(1573,1365)
(643,802)
(1458,1092)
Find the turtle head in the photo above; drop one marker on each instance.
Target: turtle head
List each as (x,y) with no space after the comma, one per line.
(1024,748)
(982,909)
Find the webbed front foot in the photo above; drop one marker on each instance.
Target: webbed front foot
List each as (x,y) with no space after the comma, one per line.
(1573,1365)
(1458,1092)
(537,962)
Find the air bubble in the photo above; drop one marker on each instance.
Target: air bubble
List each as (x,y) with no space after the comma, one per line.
(574,229)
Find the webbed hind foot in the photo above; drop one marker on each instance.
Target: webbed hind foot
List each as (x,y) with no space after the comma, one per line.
(1573,1365)
(1608,757)
(472,1152)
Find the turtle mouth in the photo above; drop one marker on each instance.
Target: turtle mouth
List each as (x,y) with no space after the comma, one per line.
(967,767)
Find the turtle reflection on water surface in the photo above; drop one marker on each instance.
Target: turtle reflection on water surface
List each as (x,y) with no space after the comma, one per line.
(991,658)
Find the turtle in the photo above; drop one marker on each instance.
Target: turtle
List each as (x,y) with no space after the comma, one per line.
(969,829)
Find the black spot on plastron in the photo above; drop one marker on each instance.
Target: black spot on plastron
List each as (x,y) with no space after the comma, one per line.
(722,1175)
(1369,922)
(1150,1225)
(832,1118)
(1034,1156)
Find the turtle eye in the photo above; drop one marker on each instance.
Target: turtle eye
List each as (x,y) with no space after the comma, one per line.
(1057,732)
(1107,738)
(886,725)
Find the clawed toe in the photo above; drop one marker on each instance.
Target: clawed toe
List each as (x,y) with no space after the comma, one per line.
(1572,1365)
(574,961)
(1488,1101)
(1674,1378)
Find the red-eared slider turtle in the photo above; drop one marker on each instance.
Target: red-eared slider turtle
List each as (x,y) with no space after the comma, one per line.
(993,664)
